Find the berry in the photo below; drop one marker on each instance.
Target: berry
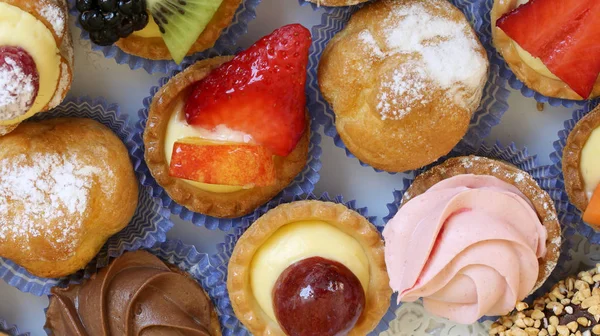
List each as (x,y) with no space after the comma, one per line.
(107,5)
(84,5)
(126,7)
(92,20)
(568,44)
(259,92)
(126,28)
(14,61)
(112,19)
(140,21)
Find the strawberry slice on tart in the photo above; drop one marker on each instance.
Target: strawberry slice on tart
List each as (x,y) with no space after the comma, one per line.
(259,92)
(564,35)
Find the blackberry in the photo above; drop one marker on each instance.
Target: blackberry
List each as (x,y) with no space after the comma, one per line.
(109,20)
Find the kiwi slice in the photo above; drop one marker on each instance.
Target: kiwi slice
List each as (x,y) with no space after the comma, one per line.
(181,22)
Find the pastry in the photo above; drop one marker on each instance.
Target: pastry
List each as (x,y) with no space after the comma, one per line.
(580,165)
(36,59)
(66,186)
(402,95)
(283,268)
(570,308)
(550,59)
(472,237)
(337,3)
(137,294)
(224,136)
(157,29)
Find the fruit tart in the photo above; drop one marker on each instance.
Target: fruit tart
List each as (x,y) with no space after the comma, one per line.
(309,268)
(581,167)
(229,133)
(156,29)
(558,58)
(472,237)
(36,59)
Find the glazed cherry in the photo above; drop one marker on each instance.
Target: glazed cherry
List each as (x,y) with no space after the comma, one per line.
(19,82)
(318,297)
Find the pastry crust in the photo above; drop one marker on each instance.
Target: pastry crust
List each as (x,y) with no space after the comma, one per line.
(337,3)
(222,205)
(68,242)
(62,35)
(571,158)
(350,222)
(550,87)
(154,48)
(354,70)
(543,204)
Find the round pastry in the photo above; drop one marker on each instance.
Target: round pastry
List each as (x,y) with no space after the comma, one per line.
(222,147)
(572,307)
(403,96)
(66,186)
(580,165)
(472,237)
(157,29)
(137,294)
(36,59)
(284,267)
(549,59)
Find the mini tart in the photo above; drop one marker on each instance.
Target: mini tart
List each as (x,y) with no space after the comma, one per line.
(571,161)
(222,205)
(547,86)
(543,204)
(43,10)
(349,222)
(154,48)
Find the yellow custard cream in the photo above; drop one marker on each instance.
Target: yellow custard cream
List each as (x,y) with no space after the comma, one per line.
(151,30)
(533,62)
(178,129)
(590,163)
(19,28)
(298,241)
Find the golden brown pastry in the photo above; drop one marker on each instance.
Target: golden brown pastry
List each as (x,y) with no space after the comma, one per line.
(336,3)
(66,186)
(309,261)
(137,294)
(36,58)
(166,124)
(403,79)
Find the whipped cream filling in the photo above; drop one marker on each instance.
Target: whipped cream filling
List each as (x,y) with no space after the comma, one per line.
(469,246)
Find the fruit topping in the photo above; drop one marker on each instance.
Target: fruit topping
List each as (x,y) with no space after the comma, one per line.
(260,92)
(568,44)
(109,20)
(317,297)
(19,82)
(181,22)
(235,164)
(592,212)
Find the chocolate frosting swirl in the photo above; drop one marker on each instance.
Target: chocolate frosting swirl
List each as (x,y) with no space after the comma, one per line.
(137,294)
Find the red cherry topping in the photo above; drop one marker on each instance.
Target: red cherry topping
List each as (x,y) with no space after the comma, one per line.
(318,297)
(19,82)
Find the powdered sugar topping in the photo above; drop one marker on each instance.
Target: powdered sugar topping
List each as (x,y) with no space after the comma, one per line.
(17,90)
(406,88)
(45,196)
(54,15)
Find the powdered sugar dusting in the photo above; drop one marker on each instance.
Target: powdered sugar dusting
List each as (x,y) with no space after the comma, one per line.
(54,15)
(45,196)
(406,88)
(367,38)
(17,90)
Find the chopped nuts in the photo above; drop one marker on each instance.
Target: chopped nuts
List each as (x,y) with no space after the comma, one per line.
(573,326)
(596,329)
(583,321)
(522,306)
(537,314)
(563,331)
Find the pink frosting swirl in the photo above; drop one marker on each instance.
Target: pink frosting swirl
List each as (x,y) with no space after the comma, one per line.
(469,246)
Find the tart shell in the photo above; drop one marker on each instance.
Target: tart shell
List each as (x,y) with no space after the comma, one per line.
(571,159)
(504,44)
(154,48)
(221,205)
(543,204)
(336,3)
(247,308)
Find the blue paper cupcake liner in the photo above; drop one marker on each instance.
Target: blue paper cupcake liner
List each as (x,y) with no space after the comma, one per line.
(506,72)
(494,102)
(569,214)
(149,223)
(304,183)
(189,260)
(11,330)
(229,37)
(225,249)
(522,160)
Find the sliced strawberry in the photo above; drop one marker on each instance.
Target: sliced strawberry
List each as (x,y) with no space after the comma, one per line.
(259,92)
(563,34)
